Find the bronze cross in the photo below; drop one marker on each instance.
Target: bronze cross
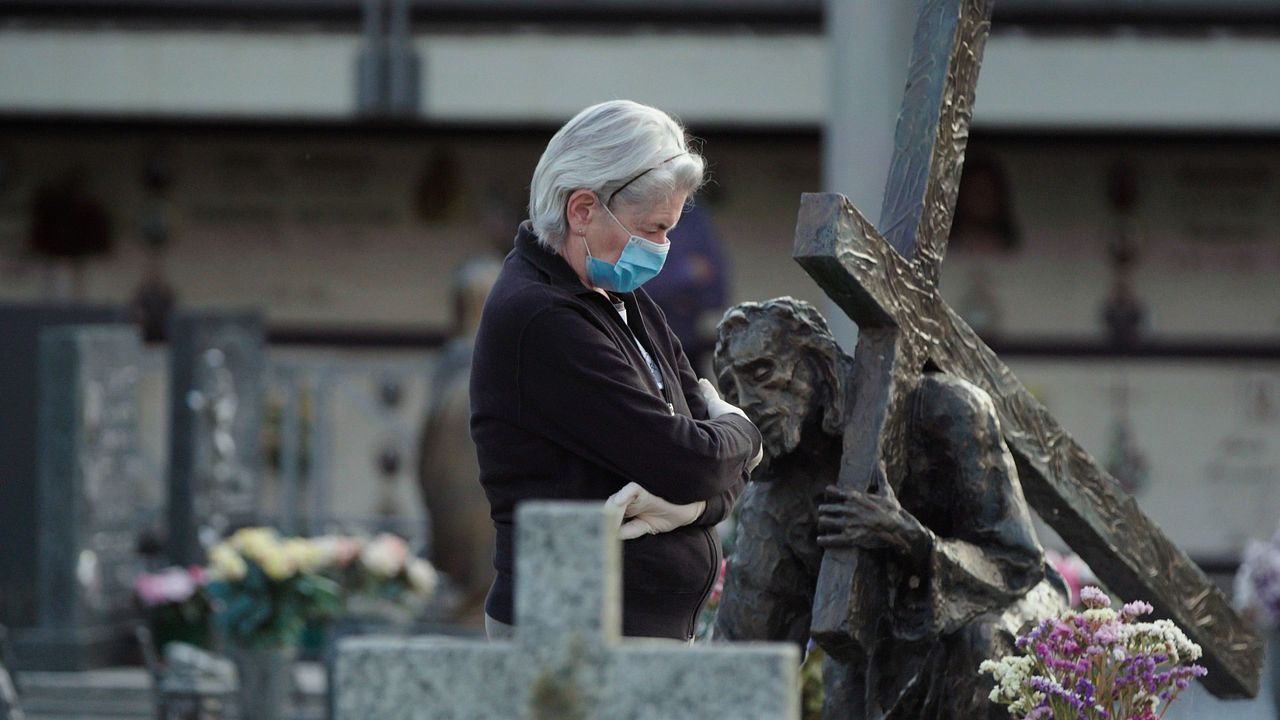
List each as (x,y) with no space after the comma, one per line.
(887,283)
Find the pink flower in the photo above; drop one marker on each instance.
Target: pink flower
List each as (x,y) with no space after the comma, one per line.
(718,588)
(170,585)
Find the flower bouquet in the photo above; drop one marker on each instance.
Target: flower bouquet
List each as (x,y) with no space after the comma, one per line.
(1096,664)
(265,588)
(175,605)
(379,576)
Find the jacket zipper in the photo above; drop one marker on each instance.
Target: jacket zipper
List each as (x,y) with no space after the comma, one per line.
(711,582)
(666,381)
(665,390)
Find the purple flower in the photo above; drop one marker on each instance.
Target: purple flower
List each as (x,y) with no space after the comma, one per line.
(1134,609)
(1094,598)
(1257,582)
(1096,664)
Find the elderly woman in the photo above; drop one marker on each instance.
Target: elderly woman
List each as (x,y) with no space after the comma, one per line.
(579,390)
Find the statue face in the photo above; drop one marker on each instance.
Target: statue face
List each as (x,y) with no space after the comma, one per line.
(767,377)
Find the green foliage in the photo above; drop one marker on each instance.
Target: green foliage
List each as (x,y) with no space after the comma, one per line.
(259,612)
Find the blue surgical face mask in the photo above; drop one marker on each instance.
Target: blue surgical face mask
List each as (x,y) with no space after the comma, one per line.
(640,261)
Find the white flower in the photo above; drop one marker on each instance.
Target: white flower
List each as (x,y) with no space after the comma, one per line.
(337,550)
(1099,615)
(422,576)
(385,555)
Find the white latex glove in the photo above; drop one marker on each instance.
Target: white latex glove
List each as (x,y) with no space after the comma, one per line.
(717,407)
(647,514)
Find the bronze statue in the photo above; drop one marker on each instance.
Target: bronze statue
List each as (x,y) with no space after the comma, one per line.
(961,568)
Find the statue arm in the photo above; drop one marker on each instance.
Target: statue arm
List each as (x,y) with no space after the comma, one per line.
(985,554)
(969,577)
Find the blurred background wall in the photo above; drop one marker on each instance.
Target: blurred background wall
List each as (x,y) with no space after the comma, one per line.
(332,162)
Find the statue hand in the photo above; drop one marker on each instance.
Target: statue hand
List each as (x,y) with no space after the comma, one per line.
(871,521)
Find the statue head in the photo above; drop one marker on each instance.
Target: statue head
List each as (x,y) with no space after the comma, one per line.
(778,361)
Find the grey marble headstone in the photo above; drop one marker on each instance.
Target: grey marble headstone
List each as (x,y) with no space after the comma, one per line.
(20,382)
(90,496)
(217,361)
(568,660)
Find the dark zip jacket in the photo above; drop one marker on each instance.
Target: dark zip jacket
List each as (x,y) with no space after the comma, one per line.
(564,406)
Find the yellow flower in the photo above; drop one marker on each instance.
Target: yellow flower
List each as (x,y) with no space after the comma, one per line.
(255,543)
(226,563)
(277,563)
(306,555)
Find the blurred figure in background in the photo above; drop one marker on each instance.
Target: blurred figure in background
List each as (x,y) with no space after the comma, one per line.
(461,533)
(693,285)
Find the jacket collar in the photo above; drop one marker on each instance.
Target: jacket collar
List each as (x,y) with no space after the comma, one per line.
(549,263)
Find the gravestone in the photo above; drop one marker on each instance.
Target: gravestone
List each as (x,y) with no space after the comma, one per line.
(20,381)
(887,284)
(90,473)
(568,660)
(217,360)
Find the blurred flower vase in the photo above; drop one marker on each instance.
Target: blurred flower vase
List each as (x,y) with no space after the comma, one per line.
(263,590)
(174,604)
(1094,664)
(1257,592)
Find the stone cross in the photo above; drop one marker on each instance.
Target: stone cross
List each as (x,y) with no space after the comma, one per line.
(568,660)
(887,283)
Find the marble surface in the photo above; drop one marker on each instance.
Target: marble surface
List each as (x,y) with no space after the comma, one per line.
(567,660)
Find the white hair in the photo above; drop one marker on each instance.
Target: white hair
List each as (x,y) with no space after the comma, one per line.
(604,148)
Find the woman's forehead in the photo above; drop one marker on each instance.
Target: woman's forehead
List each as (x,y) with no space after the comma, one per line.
(666,209)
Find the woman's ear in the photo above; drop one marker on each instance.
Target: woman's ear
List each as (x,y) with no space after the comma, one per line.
(578,209)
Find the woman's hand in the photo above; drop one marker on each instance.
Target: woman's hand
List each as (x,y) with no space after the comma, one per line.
(716,407)
(647,514)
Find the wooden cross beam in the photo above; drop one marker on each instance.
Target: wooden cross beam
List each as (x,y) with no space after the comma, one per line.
(887,284)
